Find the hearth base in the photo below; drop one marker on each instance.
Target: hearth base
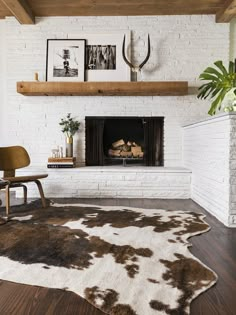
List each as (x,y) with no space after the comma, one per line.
(114,182)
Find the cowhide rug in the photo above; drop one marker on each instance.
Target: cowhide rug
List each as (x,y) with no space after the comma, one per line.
(123,260)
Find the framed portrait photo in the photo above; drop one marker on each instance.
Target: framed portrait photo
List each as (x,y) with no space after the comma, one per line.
(65,60)
(103,56)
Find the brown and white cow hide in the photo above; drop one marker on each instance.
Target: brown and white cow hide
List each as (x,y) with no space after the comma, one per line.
(123,260)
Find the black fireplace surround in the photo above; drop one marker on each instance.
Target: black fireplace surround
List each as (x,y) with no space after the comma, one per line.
(101,132)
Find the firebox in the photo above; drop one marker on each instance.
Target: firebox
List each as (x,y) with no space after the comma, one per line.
(124,140)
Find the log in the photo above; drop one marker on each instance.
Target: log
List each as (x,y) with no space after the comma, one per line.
(114,152)
(126,154)
(118,143)
(136,151)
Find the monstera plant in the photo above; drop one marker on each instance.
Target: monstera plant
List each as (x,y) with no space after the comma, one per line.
(220,82)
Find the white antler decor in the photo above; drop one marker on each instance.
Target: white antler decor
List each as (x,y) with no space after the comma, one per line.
(136,68)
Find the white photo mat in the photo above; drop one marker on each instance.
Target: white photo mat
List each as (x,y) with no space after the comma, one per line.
(117,70)
(65,60)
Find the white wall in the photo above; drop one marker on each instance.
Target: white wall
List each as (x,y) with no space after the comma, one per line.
(210,152)
(182,47)
(2,82)
(233,39)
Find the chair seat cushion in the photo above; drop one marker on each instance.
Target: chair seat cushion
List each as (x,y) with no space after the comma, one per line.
(25,179)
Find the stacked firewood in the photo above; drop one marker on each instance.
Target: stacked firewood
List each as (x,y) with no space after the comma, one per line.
(129,149)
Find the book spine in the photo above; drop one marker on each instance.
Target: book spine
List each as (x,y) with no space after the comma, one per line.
(60,165)
(55,160)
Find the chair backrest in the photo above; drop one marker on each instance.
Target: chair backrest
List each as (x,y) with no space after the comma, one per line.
(12,158)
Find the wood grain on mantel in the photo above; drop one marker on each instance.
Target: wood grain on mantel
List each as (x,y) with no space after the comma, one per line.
(164,88)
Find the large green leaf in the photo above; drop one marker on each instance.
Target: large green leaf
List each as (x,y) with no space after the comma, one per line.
(215,92)
(205,88)
(218,85)
(214,71)
(220,65)
(210,90)
(207,76)
(204,92)
(217,102)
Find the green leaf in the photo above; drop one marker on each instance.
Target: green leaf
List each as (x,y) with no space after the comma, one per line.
(217,102)
(202,93)
(231,67)
(217,90)
(203,86)
(213,71)
(220,65)
(70,126)
(214,105)
(205,90)
(212,88)
(206,76)
(218,85)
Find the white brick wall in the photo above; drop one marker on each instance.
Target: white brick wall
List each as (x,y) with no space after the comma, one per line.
(182,46)
(2,81)
(233,39)
(232,170)
(210,152)
(114,182)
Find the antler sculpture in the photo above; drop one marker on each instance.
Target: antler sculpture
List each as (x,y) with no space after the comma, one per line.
(136,68)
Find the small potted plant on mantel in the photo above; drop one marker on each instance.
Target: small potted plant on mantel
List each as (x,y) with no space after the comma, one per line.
(221,83)
(69,127)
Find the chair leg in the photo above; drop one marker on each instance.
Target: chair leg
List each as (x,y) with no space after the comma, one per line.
(7,200)
(25,193)
(40,188)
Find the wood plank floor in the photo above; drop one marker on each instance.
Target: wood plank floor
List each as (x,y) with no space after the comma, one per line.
(216,248)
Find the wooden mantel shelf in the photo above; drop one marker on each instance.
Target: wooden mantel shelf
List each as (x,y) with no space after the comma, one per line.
(164,88)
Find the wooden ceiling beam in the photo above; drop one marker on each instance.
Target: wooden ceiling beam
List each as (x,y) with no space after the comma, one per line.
(227,12)
(21,10)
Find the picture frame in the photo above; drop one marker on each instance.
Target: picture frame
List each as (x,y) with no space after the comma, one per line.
(103,56)
(65,60)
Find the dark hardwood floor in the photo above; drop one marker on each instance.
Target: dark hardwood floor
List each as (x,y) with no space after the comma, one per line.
(216,248)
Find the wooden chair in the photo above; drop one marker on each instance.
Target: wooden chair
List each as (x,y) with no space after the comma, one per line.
(12,158)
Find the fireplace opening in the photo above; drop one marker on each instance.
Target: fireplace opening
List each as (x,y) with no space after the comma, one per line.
(124,140)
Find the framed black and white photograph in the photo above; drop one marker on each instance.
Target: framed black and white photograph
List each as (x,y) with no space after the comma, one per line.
(65,60)
(103,56)
(100,57)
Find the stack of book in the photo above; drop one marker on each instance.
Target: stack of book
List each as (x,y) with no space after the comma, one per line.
(65,162)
